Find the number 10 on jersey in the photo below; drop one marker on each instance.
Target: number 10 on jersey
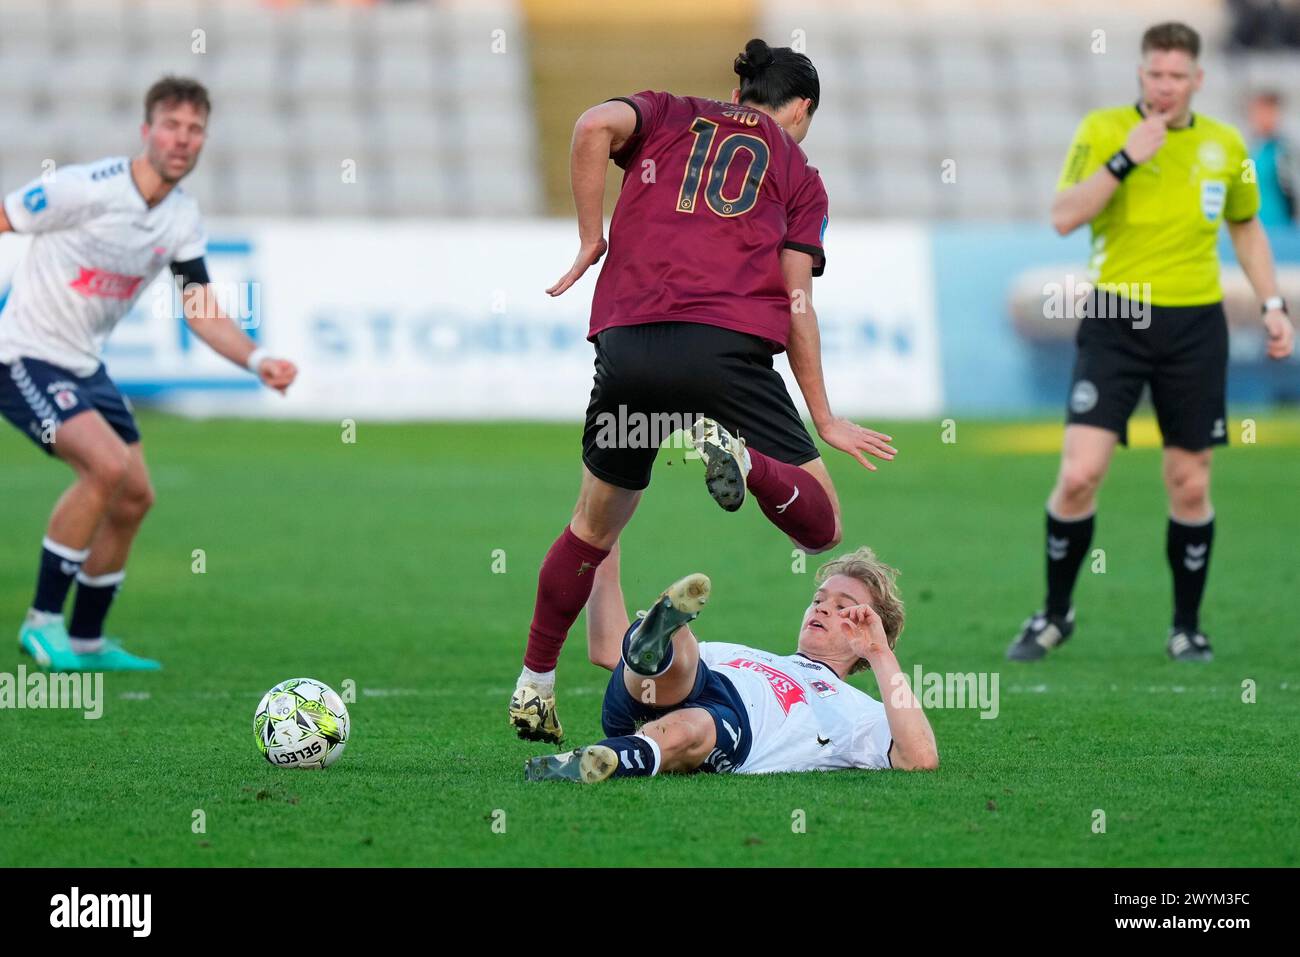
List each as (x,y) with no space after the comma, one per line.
(706,132)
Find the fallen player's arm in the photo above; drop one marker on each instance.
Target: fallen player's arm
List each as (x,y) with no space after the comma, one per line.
(204,316)
(607,619)
(805,353)
(914,747)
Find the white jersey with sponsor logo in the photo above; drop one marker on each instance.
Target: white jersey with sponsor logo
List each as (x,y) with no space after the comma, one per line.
(96,245)
(802,716)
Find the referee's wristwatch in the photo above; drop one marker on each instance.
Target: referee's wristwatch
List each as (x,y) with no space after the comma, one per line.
(1271,303)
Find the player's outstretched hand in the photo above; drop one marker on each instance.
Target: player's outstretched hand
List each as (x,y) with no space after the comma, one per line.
(278,374)
(865,630)
(1281,334)
(588,255)
(1145,139)
(855,440)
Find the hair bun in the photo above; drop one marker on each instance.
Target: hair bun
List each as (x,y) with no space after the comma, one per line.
(758,56)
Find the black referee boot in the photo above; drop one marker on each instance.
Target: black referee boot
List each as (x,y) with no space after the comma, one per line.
(1040,634)
(1186,644)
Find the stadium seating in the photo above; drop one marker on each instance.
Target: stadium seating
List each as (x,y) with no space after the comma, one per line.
(411,92)
(439,124)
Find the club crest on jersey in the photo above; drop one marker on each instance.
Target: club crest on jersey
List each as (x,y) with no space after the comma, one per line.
(35,199)
(103,284)
(824,689)
(1213,194)
(1212,156)
(787,690)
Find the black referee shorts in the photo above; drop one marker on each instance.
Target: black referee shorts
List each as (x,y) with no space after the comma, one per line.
(1181,351)
(655,377)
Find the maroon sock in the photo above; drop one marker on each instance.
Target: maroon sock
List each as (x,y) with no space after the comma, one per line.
(563,587)
(793,500)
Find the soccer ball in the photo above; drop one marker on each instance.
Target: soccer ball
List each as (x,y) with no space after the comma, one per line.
(301,723)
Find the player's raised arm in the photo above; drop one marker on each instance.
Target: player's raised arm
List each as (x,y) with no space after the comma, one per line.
(204,316)
(805,354)
(599,133)
(914,747)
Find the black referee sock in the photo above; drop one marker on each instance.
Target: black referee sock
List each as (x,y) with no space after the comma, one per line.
(1067,545)
(1188,550)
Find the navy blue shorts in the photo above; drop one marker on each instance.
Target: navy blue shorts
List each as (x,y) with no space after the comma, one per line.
(38,396)
(622,714)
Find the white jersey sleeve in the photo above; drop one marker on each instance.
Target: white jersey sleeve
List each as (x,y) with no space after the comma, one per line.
(62,201)
(872,740)
(195,245)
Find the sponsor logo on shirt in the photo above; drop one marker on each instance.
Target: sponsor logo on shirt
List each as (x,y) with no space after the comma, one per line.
(104,284)
(35,199)
(824,689)
(787,690)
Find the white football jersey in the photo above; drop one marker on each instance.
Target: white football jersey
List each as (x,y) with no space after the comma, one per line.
(95,246)
(802,716)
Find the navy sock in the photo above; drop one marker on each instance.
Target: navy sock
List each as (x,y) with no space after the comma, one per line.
(1188,549)
(59,566)
(91,604)
(638,757)
(664,663)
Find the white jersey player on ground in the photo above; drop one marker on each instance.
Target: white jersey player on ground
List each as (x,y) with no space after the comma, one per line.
(677,704)
(100,233)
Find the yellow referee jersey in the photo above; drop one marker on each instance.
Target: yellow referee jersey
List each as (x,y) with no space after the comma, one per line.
(1160,227)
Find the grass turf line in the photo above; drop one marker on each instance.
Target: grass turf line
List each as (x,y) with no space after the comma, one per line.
(373,562)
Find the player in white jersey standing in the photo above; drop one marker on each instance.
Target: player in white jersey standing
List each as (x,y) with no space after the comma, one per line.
(676,704)
(100,234)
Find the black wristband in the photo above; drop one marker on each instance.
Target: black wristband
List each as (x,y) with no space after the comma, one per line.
(1120,165)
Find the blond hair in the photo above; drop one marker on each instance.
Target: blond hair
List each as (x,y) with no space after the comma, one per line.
(880,580)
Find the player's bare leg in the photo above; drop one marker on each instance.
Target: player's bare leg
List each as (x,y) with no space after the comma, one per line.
(103,571)
(100,460)
(1189,538)
(1085,459)
(564,584)
(799,500)
(122,520)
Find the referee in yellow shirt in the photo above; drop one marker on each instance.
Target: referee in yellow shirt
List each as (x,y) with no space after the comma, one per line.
(1154,180)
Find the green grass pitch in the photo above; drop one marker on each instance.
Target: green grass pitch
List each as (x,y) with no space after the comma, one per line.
(373,562)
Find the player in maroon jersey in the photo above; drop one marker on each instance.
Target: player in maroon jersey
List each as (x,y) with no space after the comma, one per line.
(713,245)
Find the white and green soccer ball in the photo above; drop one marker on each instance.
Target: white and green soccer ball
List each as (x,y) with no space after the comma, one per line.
(301,723)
